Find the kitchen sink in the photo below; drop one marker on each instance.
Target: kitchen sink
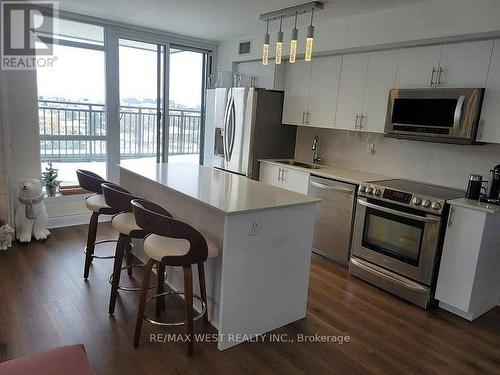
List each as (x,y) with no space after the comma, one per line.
(299,164)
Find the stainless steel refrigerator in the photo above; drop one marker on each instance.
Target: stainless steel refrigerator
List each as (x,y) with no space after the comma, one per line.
(243,125)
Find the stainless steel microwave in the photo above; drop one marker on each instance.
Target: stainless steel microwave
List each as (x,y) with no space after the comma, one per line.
(437,115)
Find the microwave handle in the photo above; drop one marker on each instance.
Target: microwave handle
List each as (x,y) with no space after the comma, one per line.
(398,213)
(458,111)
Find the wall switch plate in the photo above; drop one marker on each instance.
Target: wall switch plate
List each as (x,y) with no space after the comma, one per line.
(253,227)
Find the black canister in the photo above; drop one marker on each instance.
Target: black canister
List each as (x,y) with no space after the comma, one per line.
(474,187)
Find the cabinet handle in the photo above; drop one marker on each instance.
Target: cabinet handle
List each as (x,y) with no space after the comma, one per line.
(432,76)
(450,219)
(303,117)
(308,118)
(440,73)
(361,118)
(356,121)
(283,175)
(279,174)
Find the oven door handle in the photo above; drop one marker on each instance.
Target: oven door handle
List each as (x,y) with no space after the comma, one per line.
(407,283)
(398,213)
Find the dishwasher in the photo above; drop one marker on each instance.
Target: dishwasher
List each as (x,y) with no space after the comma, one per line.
(335,217)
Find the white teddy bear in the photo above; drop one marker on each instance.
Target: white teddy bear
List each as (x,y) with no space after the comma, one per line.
(6,233)
(31,215)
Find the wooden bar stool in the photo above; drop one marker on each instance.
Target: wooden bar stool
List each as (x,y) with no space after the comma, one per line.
(124,223)
(172,243)
(95,203)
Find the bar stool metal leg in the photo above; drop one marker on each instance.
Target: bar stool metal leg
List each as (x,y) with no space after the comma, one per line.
(203,289)
(188,306)
(160,289)
(122,243)
(91,236)
(142,302)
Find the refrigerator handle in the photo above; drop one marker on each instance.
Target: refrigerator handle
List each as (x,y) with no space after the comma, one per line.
(226,130)
(232,124)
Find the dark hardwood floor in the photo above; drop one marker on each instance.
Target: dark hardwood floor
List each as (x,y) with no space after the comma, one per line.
(44,303)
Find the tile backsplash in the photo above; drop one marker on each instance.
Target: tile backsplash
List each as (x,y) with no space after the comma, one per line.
(437,163)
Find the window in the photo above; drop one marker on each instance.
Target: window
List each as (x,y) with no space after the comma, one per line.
(152,121)
(71,106)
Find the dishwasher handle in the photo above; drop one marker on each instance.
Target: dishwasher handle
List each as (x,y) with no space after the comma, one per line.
(332,188)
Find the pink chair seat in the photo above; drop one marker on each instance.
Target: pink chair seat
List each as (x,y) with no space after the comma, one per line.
(65,360)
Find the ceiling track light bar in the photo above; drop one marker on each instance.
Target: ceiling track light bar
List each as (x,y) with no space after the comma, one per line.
(292,11)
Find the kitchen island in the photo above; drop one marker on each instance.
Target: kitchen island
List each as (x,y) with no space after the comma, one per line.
(259,281)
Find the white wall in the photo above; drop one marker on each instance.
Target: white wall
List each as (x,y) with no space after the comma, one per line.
(20,125)
(426,20)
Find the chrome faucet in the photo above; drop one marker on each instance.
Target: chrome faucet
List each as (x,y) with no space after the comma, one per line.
(315,148)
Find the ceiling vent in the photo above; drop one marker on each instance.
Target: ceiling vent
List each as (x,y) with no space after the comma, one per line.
(245,47)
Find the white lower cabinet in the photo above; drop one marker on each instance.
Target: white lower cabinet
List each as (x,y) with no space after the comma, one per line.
(469,280)
(284,177)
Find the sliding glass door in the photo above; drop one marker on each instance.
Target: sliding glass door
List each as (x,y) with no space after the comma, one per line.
(186,93)
(141,108)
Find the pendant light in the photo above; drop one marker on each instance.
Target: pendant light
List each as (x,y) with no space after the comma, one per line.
(293,42)
(309,39)
(265,46)
(279,43)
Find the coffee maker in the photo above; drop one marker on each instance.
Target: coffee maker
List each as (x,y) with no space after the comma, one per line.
(493,192)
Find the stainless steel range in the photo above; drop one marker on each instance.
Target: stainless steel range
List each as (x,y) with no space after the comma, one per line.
(398,235)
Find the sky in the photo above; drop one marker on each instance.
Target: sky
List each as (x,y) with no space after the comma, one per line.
(80,74)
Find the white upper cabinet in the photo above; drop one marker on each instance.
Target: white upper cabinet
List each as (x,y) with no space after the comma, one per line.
(297,80)
(351,91)
(380,79)
(464,64)
(323,91)
(365,81)
(263,75)
(418,66)
(489,130)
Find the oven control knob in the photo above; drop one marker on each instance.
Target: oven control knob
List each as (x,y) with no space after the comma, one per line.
(416,201)
(369,190)
(377,192)
(436,205)
(426,203)
(362,189)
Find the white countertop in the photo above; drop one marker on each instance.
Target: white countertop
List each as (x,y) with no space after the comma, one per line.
(224,191)
(330,171)
(476,205)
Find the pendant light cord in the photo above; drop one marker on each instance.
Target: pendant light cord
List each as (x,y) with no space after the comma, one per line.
(312,14)
(281,21)
(295,25)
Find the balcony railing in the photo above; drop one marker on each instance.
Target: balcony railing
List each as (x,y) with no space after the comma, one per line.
(76,132)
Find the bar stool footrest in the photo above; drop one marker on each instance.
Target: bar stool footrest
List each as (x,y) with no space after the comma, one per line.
(130,288)
(176,324)
(101,256)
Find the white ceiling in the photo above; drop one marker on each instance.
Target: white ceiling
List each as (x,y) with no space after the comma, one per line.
(213,19)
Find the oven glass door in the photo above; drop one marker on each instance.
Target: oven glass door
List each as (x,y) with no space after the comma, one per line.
(394,236)
(403,241)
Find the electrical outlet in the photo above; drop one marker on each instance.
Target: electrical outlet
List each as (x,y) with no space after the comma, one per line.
(253,227)
(371,148)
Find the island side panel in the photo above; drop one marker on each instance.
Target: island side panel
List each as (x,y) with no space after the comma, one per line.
(265,276)
(209,221)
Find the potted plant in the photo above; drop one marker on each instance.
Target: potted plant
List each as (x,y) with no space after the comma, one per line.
(50,179)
